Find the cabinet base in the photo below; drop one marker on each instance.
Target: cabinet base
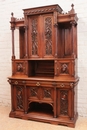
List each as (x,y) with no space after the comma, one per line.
(41,117)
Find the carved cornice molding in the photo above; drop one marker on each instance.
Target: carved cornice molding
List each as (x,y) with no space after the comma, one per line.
(42,10)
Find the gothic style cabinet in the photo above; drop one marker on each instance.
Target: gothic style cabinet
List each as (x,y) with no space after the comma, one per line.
(44,78)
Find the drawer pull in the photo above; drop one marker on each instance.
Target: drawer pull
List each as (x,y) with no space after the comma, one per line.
(16,82)
(37,84)
(61,85)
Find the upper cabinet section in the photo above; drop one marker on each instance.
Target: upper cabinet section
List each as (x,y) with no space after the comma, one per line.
(46,32)
(41,36)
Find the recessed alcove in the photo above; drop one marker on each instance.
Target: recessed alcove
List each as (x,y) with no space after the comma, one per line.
(41,68)
(40,108)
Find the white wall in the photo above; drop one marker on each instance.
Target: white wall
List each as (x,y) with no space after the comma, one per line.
(16,6)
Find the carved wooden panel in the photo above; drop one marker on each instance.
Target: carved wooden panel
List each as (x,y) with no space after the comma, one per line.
(48,36)
(64,68)
(19,97)
(47,93)
(20,67)
(64,102)
(34,34)
(33,91)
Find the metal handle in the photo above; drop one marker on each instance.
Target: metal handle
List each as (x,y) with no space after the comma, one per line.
(16,82)
(37,84)
(62,85)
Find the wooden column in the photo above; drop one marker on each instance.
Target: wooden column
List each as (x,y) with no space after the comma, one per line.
(13,28)
(55,32)
(26,38)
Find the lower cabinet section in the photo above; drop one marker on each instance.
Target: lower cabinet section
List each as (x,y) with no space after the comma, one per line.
(51,101)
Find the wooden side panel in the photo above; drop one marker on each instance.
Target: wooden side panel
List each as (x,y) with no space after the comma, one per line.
(22,42)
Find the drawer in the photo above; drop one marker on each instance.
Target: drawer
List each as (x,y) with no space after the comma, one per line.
(16,82)
(40,83)
(65,85)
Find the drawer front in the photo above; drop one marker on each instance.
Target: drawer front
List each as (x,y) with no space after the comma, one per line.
(17,82)
(65,85)
(39,83)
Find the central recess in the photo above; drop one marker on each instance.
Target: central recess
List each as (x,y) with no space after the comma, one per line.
(41,68)
(42,108)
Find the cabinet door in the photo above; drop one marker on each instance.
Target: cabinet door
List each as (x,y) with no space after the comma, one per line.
(64,103)
(34,36)
(40,36)
(47,36)
(18,97)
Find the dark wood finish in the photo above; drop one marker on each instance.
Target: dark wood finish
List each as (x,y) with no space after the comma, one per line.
(44,79)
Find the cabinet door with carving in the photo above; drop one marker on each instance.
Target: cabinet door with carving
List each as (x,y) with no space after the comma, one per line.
(40,36)
(64,103)
(34,36)
(18,97)
(47,42)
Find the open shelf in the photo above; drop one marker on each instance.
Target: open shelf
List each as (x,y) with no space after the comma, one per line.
(41,108)
(41,68)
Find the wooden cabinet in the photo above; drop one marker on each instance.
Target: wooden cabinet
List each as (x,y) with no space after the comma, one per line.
(44,79)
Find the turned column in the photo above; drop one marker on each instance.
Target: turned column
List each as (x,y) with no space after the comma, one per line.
(55,32)
(26,37)
(13,28)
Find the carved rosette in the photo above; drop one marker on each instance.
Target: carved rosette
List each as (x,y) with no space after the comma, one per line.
(34,37)
(64,102)
(48,35)
(19,96)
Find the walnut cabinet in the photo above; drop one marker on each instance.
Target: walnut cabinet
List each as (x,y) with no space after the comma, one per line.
(44,78)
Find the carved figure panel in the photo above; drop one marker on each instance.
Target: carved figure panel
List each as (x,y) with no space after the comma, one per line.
(19,96)
(64,68)
(64,102)
(19,67)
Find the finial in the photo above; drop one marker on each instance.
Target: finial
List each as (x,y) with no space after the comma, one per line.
(12,14)
(72,11)
(72,5)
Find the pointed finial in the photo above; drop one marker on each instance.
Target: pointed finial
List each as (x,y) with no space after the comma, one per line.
(12,14)
(72,5)
(72,11)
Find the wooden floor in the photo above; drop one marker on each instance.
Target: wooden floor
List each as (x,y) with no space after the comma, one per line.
(7,123)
